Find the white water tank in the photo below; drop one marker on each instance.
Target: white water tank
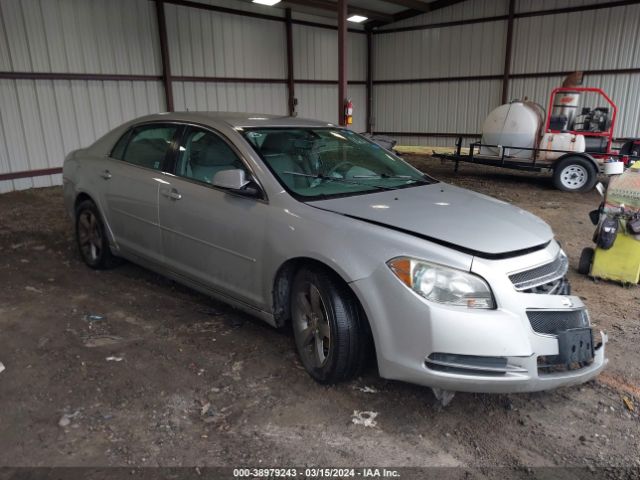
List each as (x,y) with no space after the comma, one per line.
(515,124)
(567,142)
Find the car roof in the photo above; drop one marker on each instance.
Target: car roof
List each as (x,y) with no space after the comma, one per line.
(237,119)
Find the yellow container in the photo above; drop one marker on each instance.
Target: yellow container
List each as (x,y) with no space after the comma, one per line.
(621,262)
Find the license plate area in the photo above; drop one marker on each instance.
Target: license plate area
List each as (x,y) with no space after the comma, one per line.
(575,346)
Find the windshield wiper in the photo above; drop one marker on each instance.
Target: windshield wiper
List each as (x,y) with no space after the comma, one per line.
(399,177)
(342,180)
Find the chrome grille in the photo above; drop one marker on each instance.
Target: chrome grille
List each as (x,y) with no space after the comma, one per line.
(540,275)
(552,322)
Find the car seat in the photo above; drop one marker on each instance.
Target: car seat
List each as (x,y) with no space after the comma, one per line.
(208,156)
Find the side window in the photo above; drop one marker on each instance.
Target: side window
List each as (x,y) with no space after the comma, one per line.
(148,145)
(202,154)
(118,150)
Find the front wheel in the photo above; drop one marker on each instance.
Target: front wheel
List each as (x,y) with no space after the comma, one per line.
(328,326)
(575,174)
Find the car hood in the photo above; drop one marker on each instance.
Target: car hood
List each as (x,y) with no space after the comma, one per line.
(448,215)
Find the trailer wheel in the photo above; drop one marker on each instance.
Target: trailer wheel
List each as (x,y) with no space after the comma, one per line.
(574,174)
(586,259)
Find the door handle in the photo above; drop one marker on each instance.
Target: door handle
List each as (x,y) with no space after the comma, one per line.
(106,175)
(172,194)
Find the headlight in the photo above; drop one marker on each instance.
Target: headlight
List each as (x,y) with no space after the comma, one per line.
(441,284)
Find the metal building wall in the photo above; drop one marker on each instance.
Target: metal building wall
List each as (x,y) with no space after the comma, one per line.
(42,120)
(315,58)
(423,56)
(214,44)
(603,39)
(591,40)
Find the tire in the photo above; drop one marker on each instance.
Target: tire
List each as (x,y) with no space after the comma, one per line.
(586,259)
(91,237)
(331,338)
(575,174)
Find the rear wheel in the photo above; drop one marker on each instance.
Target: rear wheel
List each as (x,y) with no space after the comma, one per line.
(92,238)
(575,174)
(328,326)
(586,259)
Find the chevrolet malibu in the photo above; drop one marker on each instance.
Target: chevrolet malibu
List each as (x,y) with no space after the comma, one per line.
(301,222)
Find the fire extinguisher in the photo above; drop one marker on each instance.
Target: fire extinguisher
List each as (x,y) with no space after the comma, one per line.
(348,112)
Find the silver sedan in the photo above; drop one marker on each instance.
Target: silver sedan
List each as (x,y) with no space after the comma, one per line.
(301,222)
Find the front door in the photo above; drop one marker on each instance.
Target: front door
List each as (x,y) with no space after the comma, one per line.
(210,235)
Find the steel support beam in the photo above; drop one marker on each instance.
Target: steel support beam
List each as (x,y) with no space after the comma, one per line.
(164,55)
(342,60)
(290,80)
(369,81)
(507,51)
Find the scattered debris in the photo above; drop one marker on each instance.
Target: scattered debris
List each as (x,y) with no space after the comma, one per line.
(114,359)
(367,389)
(91,317)
(628,403)
(65,420)
(366,418)
(103,341)
(1,367)
(214,312)
(29,288)
(443,396)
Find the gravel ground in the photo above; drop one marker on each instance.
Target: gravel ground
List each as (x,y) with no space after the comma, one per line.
(125,368)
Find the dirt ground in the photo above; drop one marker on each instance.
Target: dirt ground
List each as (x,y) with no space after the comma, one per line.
(163,376)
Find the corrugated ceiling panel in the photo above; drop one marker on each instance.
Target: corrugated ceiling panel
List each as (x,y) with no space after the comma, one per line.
(315,54)
(223,45)
(43,120)
(451,107)
(590,40)
(464,50)
(461,11)
(231,97)
(320,102)
(79,36)
(624,90)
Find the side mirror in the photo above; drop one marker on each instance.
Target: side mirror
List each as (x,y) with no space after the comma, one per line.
(236,180)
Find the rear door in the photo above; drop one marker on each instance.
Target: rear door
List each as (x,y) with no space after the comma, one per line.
(210,235)
(132,176)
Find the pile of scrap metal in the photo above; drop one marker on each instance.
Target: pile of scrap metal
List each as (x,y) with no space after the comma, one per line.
(617,236)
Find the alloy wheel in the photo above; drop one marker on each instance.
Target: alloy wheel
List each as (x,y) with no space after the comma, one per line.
(312,329)
(89,236)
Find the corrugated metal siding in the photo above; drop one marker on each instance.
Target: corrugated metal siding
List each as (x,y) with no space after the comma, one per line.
(320,102)
(79,36)
(429,141)
(464,50)
(590,40)
(461,11)
(43,120)
(222,45)
(231,97)
(315,54)
(435,107)
(624,90)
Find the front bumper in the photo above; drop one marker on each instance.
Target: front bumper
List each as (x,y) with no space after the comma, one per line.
(408,330)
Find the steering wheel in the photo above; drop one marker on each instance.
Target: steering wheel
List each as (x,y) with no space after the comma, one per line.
(340,166)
